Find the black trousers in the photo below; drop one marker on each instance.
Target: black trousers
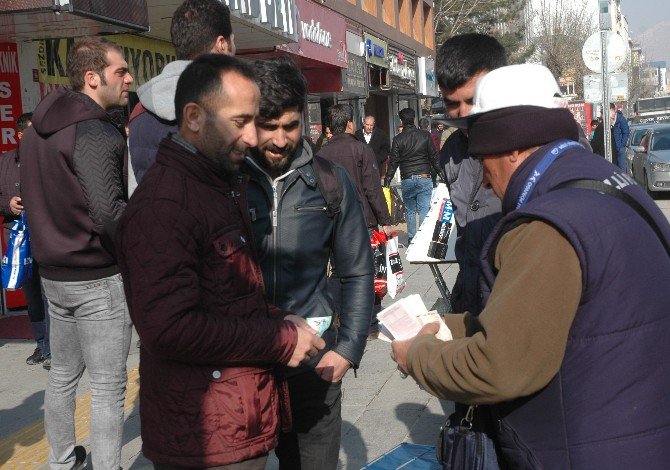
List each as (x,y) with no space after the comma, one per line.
(314,442)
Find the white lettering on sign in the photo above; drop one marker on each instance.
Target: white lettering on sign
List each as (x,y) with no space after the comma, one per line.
(6,113)
(8,62)
(5,90)
(313,32)
(402,71)
(8,136)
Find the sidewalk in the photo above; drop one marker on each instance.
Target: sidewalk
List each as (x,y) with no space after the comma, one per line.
(379,411)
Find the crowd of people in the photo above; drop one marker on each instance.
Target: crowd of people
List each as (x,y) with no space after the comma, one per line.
(243,260)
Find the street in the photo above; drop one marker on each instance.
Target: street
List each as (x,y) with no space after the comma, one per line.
(380,409)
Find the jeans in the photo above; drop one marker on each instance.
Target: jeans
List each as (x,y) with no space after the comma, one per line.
(314,441)
(37,310)
(90,328)
(416,193)
(621,159)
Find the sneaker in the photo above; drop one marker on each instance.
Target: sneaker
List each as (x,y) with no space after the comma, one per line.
(373,335)
(80,458)
(47,362)
(35,358)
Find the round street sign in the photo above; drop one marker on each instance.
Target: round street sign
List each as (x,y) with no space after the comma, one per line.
(616,52)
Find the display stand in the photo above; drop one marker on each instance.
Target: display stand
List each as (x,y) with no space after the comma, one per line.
(417,252)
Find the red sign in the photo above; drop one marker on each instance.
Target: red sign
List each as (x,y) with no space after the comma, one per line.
(323,35)
(10,96)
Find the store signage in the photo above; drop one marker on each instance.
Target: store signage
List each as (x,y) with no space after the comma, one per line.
(278,15)
(376,50)
(10,96)
(355,77)
(402,67)
(314,32)
(146,58)
(322,35)
(426,76)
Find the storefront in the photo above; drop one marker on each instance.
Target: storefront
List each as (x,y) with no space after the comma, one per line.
(379,102)
(403,83)
(427,83)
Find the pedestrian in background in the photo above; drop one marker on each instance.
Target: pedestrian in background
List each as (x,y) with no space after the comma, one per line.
(10,208)
(197,27)
(209,393)
(73,191)
(359,161)
(297,232)
(620,131)
(560,357)
(414,153)
(378,140)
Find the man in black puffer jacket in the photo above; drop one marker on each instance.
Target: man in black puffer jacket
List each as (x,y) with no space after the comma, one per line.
(414,152)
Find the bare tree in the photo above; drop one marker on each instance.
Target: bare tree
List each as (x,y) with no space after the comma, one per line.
(500,18)
(559,29)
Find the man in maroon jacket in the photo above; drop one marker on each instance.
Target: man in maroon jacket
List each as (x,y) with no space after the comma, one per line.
(209,395)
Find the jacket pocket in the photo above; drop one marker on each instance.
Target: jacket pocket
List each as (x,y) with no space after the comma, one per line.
(235,270)
(240,404)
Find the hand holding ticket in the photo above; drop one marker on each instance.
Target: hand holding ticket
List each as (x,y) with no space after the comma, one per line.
(404,319)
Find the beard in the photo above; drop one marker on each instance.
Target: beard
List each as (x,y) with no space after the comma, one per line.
(218,152)
(274,166)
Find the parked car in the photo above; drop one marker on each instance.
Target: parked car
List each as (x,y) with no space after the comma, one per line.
(637,131)
(651,162)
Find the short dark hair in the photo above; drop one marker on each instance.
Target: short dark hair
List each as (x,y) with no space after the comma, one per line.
(612,106)
(282,86)
(24,121)
(195,26)
(407,116)
(339,116)
(202,78)
(424,123)
(463,56)
(89,54)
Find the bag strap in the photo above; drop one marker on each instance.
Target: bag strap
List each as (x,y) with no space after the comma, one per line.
(595,185)
(329,184)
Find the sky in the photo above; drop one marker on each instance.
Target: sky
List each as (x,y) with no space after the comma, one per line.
(642,14)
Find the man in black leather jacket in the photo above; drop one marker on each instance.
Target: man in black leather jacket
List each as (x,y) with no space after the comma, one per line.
(414,152)
(295,239)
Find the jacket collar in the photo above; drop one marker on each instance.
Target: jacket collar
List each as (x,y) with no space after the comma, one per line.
(176,153)
(343,137)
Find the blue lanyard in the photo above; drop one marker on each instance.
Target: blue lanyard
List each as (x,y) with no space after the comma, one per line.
(551,155)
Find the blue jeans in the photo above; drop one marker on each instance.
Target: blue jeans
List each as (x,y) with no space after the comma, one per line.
(416,193)
(90,328)
(621,159)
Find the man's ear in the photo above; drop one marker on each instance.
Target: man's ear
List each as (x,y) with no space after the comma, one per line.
(193,117)
(92,79)
(223,45)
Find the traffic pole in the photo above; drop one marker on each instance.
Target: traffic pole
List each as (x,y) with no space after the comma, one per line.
(607,134)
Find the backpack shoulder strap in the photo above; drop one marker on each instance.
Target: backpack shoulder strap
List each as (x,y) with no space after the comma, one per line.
(601,187)
(329,183)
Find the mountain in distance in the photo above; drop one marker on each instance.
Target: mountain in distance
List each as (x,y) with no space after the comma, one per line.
(655,42)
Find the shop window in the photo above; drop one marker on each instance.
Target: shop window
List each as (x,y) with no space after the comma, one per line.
(417,20)
(404,17)
(370,6)
(428,33)
(388,12)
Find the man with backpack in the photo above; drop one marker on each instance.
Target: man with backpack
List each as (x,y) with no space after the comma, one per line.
(304,212)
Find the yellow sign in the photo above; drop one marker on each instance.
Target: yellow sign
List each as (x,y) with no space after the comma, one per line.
(146,58)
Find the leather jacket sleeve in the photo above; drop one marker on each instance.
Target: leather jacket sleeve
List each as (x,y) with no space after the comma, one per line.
(373,188)
(98,163)
(393,165)
(352,261)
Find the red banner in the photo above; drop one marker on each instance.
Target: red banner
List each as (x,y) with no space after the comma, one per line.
(10,96)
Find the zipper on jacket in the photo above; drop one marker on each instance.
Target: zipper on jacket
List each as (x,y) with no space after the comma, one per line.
(275,227)
(311,209)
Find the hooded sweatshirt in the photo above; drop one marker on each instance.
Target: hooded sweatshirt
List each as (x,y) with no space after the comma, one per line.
(72,186)
(154,117)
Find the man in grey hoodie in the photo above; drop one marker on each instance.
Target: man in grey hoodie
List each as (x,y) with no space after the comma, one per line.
(198,27)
